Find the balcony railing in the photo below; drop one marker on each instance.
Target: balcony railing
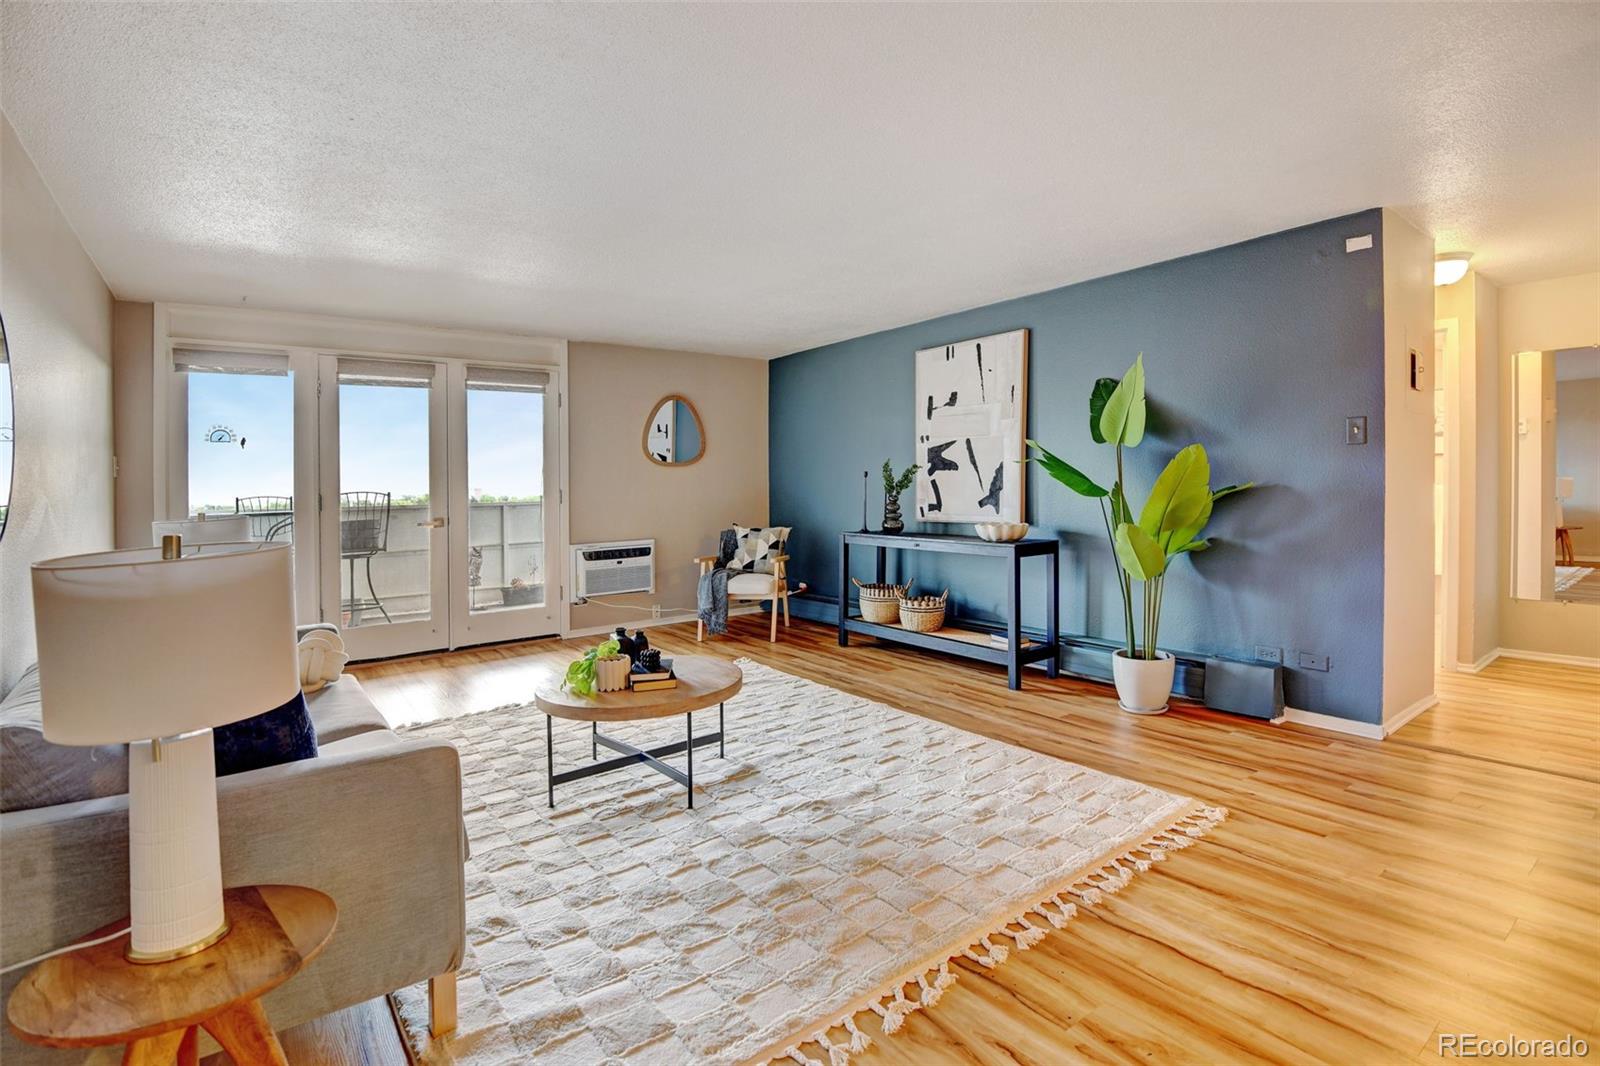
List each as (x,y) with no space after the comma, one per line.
(505,544)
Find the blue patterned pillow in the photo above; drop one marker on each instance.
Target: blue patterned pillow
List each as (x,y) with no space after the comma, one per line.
(283,734)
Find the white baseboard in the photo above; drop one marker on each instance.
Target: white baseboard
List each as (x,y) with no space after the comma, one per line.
(1473,668)
(1369,730)
(1398,720)
(664,620)
(1549,657)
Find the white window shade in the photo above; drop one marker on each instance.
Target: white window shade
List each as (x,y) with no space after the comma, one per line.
(506,379)
(392,373)
(274,364)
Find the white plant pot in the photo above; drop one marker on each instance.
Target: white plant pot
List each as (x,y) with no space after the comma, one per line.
(611,673)
(1143,685)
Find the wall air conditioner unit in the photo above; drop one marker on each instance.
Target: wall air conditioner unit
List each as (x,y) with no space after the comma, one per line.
(613,568)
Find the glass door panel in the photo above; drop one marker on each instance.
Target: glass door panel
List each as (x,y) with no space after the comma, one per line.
(501,574)
(239,438)
(382,531)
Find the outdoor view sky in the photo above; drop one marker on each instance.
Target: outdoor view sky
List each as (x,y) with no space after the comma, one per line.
(383,440)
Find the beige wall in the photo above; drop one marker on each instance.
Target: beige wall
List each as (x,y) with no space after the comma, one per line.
(1578,457)
(618,494)
(1408,659)
(1472,303)
(1542,316)
(132,379)
(58,329)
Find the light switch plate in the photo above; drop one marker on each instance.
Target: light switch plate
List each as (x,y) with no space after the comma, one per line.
(1355,429)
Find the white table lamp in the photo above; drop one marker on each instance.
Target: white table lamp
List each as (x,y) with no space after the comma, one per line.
(152,647)
(1564,490)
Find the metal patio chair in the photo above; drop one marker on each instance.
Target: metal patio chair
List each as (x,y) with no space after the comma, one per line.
(270,516)
(363,533)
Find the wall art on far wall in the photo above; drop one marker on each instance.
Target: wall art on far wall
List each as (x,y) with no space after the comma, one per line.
(972,413)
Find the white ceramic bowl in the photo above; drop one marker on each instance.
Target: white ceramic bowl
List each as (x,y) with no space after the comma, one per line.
(1001,531)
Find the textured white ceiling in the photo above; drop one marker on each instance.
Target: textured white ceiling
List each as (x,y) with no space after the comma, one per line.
(760,179)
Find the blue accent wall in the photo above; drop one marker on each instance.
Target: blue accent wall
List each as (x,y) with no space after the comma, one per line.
(1258,351)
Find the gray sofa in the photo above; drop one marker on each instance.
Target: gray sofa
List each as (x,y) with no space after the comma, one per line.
(374,821)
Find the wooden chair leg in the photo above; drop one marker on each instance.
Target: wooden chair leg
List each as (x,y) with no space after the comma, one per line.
(442,1004)
(699,630)
(786,608)
(773,637)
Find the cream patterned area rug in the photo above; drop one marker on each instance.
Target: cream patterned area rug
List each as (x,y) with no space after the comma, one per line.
(836,860)
(1568,576)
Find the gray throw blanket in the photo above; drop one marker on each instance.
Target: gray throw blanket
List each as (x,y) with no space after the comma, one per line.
(712,596)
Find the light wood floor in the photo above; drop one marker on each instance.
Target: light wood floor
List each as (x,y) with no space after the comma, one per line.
(1363,897)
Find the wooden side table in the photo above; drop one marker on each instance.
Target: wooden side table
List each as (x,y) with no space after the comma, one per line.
(94,997)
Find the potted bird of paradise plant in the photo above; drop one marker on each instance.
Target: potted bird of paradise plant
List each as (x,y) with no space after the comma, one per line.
(1169,524)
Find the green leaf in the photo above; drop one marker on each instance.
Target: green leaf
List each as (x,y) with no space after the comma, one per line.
(1229,490)
(1120,512)
(1064,472)
(1103,388)
(1193,546)
(1188,533)
(1181,496)
(1141,556)
(1122,419)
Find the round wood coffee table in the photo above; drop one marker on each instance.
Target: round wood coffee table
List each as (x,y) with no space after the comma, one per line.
(94,996)
(702,681)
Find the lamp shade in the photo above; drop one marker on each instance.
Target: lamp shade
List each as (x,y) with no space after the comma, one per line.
(1564,488)
(220,530)
(133,646)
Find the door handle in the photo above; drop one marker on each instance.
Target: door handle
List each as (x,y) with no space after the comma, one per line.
(433,523)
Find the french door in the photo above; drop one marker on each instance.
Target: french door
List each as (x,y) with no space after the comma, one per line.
(432,514)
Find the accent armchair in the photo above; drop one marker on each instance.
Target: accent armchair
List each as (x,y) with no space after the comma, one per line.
(754,586)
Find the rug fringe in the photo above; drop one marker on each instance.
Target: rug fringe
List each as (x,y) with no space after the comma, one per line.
(893,1006)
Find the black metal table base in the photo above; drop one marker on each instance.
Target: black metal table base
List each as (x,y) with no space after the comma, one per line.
(632,756)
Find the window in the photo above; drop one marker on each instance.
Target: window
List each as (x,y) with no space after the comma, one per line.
(240,437)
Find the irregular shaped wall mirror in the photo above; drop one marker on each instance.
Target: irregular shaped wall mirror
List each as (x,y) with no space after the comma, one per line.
(674,434)
(7,429)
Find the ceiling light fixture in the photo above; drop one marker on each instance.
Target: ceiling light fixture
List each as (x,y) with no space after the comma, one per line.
(1450,267)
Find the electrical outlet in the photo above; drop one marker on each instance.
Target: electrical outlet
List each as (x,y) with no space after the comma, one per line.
(1306,660)
(655,610)
(1269,655)
(1355,429)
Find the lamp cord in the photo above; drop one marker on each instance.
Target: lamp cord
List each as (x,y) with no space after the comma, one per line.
(70,947)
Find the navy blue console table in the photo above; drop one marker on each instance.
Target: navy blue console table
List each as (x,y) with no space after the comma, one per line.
(952,640)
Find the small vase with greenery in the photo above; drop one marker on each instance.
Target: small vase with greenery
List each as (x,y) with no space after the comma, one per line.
(1168,525)
(580,672)
(892,488)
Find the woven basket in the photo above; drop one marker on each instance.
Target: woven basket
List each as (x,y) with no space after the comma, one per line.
(881,603)
(923,614)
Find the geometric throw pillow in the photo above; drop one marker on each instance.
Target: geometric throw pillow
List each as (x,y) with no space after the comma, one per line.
(757,548)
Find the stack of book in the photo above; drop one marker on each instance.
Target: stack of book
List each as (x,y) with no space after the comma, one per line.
(999,640)
(643,680)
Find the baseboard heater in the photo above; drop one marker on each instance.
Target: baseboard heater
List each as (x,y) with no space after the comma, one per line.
(1252,689)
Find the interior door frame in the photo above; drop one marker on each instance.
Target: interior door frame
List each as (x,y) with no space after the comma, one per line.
(390,638)
(513,623)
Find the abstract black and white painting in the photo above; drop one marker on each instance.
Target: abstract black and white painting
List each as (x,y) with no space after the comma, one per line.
(972,410)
